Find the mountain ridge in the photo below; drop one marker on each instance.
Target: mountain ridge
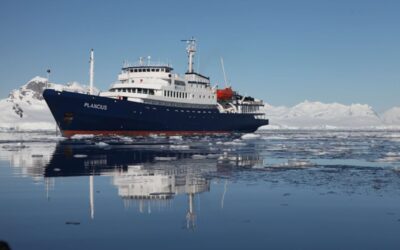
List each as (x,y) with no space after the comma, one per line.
(25,109)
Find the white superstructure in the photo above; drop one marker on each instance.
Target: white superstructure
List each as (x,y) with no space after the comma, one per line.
(158,84)
(152,83)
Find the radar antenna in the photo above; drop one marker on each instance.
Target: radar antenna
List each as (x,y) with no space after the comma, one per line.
(191,50)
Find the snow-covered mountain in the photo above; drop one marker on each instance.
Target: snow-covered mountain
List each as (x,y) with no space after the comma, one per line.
(25,108)
(323,115)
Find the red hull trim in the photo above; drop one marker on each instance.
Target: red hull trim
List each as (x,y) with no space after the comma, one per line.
(69,133)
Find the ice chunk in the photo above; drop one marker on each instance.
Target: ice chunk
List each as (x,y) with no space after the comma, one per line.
(235,142)
(179,146)
(213,156)
(176,137)
(101,144)
(164,158)
(199,157)
(250,137)
(82,137)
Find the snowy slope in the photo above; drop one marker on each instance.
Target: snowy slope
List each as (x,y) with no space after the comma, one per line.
(392,116)
(25,108)
(317,115)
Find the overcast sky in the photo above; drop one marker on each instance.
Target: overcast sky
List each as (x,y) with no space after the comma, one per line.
(284,52)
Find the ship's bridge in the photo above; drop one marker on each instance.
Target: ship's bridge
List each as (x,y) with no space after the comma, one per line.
(150,71)
(196,78)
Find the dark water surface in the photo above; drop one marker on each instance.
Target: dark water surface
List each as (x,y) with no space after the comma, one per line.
(270,190)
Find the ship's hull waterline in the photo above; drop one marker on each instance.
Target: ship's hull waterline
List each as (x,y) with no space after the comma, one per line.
(77,113)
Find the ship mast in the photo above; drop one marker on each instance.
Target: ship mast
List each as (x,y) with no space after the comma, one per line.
(91,73)
(191,50)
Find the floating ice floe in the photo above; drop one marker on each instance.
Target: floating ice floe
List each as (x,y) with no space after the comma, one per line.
(179,147)
(199,157)
(175,137)
(213,156)
(390,157)
(235,142)
(125,139)
(251,136)
(101,144)
(396,169)
(294,163)
(82,137)
(164,158)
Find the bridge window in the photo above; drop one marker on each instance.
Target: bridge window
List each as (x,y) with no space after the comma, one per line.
(135,70)
(157,70)
(153,70)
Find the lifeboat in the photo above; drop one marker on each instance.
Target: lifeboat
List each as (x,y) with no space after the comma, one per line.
(224,94)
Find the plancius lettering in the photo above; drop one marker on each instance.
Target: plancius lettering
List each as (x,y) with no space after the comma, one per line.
(94,106)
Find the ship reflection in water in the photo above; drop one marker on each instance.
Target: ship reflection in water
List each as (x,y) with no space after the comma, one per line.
(146,177)
(278,190)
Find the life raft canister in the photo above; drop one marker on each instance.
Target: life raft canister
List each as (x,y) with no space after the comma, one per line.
(224,94)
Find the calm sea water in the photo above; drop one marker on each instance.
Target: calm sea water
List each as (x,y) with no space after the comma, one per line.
(271,190)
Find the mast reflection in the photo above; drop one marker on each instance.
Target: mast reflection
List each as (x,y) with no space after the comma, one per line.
(146,177)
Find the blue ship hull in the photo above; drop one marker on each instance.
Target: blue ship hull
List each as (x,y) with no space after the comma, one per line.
(77,113)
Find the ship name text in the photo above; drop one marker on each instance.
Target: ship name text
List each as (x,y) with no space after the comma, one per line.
(94,106)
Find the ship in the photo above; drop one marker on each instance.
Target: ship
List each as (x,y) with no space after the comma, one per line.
(150,98)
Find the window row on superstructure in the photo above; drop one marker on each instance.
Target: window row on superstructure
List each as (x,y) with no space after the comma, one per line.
(134,90)
(132,70)
(175,94)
